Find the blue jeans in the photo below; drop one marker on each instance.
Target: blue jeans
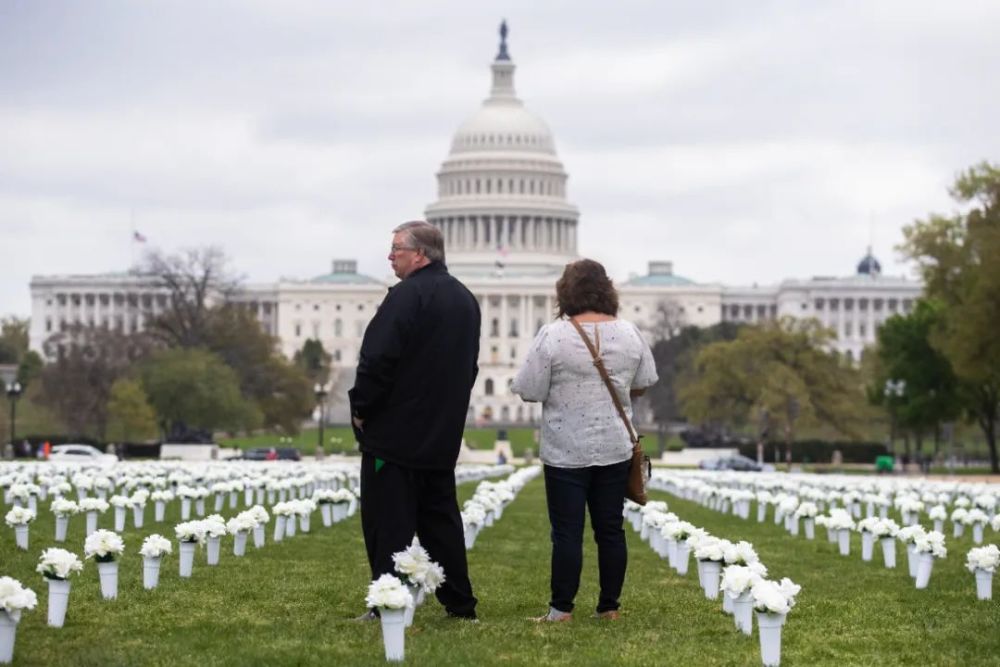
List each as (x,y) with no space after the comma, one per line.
(569,492)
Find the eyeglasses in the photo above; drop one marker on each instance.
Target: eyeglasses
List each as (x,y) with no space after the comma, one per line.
(397,248)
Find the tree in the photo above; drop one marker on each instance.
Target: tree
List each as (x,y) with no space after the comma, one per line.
(314,360)
(130,415)
(76,386)
(905,354)
(193,388)
(783,372)
(13,339)
(957,258)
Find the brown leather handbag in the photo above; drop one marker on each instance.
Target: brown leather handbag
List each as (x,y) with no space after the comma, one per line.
(640,469)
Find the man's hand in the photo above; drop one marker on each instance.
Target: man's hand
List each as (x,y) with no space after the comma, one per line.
(358,423)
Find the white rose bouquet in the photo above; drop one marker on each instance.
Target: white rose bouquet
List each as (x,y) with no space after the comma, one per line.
(58,564)
(740,553)
(710,549)
(388,592)
(983,558)
(155,546)
(931,543)
(243,522)
(938,513)
(94,505)
(120,501)
(909,534)
(214,526)
(774,598)
(807,510)
(62,507)
(259,514)
(738,579)
(415,566)
(19,516)
(14,596)
(161,496)
(103,545)
(190,531)
(474,515)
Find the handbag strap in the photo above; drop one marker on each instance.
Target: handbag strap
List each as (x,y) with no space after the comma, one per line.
(599,363)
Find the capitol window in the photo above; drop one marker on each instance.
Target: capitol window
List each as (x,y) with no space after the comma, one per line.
(337,327)
(488,387)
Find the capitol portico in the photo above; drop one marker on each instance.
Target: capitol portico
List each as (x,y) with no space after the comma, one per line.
(509,230)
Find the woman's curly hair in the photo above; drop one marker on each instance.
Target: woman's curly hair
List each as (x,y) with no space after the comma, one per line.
(585,286)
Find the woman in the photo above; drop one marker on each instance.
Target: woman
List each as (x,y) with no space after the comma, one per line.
(584,443)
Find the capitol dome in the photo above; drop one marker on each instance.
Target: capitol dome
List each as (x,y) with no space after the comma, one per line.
(869,266)
(502,190)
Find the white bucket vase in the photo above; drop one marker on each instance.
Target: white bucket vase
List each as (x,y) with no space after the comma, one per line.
(185,509)
(58,601)
(410,610)
(727,603)
(109,579)
(869,510)
(700,567)
(248,497)
(977,533)
(867,546)
(769,627)
(888,551)
(91,522)
(911,559)
(672,553)
(212,549)
(21,536)
(326,514)
(683,557)
(199,507)
(219,501)
(925,563)
(232,500)
(883,511)
(340,511)
(779,516)
(258,535)
(8,630)
(138,515)
(470,536)
(810,525)
(712,570)
(393,633)
(33,504)
(240,543)
(939,525)
(743,613)
(150,572)
(159,510)
(831,534)
(62,524)
(120,518)
(279,528)
(793,526)
(957,530)
(490,515)
(984,585)
(844,541)
(635,518)
(352,507)
(761,512)
(304,521)
(187,558)
(644,531)
(290,526)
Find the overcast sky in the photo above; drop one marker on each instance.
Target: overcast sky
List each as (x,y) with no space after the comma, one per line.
(746,141)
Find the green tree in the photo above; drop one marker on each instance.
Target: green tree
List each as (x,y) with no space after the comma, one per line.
(957,257)
(314,360)
(193,388)
(130,416)
(13,339)
(782,371)
(930,390)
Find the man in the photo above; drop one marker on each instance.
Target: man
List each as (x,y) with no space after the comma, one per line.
(416,369)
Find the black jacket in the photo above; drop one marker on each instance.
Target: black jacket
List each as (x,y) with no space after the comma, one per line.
(416,369)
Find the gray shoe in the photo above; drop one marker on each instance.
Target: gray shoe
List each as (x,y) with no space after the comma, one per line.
(370,615)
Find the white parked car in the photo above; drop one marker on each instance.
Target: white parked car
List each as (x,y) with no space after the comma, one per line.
(83,454)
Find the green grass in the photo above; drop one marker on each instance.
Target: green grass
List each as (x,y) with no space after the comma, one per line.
(290,604)
(341,439)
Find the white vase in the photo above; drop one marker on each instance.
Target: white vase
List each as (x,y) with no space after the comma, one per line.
(138,515)
(672,553)
(769,626)
(393,633)
(793,525)
(304,520)
(290,526)
(957,529)
(187,558)
(240,543)
(727,603)
(925,563)
(844,541)
(867,545)
(888,551)
(279,528)
(62,523)
(700,567)
(8,629)
(21,536)
(742,613)
(683,553)
(119,518)
(939,525)
(883,511)
(199,507)
(91,522)
(831,534)
(109,579)
(644,531)
(712,570)
(150,572)
(58,601)
(810,526)
(248,496)
(219,500)
(159,509)
(977,533)
(212,549)
(470,536)
(869,510)
(911,559)
(761,512)
(185,509)
(779,516)
(408,614)
(326,514)
(232,500)
(258,535)
(984,585)
(340,511)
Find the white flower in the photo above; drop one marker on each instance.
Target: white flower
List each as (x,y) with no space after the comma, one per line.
(241,523)
(388,592)
(909,534)
(975,516)
(938,513)
(958,516)
(139,498)
(104,544)
(737,579)
(190,531)
(770,597)
(283,509)
(259,514)
(840,520)
(710,548)
(94,505)
(14,597)
(741,553)
(56,563)
(214,525)
(120,501)
(161,496)
(63,507)
(995,522)
(19,516)
(932,543)
(473,516)
(807,509)
(155,546)
(983,558)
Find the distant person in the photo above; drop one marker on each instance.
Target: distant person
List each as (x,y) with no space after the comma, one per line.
(416,369)
(47,449)
(272,454)
(501,458)
(585,446)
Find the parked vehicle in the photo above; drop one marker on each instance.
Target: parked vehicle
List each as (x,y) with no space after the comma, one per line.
(83,454)
(271,454)
(737,462)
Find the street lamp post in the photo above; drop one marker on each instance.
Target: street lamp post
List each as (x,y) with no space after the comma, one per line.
(321,391)
(894,389)
(13,393)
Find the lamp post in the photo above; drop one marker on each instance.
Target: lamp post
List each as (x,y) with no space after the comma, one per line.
(13,393)
(894,389)
(321,391)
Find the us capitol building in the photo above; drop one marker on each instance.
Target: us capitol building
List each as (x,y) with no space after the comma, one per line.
(509,231)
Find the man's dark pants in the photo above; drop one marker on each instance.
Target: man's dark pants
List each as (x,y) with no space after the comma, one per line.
(397,502)
(569,492)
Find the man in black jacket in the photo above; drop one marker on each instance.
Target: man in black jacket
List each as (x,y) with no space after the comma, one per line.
(416,369)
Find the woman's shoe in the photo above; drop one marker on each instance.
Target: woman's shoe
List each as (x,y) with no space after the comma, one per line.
(610,615)
(554,616)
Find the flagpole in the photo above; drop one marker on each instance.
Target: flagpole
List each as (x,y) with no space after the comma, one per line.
(131,240)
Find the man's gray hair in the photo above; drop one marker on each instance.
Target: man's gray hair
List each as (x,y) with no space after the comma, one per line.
(426,237)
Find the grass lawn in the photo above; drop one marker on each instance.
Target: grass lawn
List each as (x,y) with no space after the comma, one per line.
(290,604)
